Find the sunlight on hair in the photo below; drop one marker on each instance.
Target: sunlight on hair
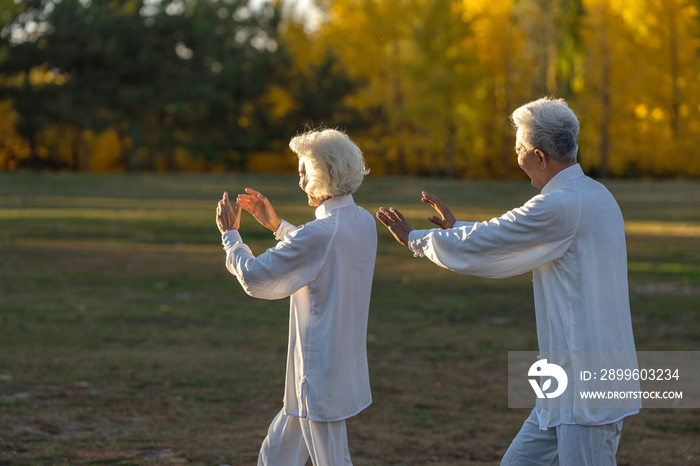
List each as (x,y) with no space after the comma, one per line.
(334,164)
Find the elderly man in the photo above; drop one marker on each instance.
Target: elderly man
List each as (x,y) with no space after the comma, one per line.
(326,266)
(571,236)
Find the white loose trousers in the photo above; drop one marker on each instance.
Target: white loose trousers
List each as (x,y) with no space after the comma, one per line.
(564,445)
(292,440)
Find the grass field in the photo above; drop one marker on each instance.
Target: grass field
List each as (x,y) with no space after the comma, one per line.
(124,340)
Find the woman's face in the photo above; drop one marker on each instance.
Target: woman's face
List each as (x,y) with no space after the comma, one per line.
(303,181)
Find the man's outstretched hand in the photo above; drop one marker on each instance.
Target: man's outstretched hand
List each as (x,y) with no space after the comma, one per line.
(259,207)
(227,217)
(396,223)
(446,219)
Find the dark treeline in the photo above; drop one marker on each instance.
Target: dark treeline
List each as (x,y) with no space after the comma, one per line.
(198,78)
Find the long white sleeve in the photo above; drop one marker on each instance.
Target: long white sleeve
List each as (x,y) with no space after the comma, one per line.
(520,241)
(284,229)
(280,271)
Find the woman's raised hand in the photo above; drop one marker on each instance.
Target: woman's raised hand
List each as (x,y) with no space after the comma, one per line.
(259,207)
(227,217)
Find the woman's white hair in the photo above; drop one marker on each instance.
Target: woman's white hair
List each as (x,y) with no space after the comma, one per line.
(549,125)
(334,164)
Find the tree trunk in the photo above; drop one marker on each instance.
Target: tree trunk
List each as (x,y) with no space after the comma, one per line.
(81,155)
(676,99)
(34,159)
(450,149)
(506,130)
(434,164)
(124,152)
(134,162)
(243,161)
(538,24)
(75,151)
(171,159)
(549,45)
(128,140)
(398,125)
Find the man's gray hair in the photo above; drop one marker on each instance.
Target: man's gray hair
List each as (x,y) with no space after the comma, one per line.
(549,125)
(334,164)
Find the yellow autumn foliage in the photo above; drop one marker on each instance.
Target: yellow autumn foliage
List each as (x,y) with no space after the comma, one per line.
(446,74)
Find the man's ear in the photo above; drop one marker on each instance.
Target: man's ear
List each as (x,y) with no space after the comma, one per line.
(543,158)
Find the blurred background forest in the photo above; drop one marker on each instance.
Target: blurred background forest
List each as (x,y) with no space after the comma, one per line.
(424,86)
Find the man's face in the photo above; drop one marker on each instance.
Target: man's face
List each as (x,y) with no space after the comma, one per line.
(528,161)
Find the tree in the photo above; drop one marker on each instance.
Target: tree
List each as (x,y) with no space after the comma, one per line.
(165,75)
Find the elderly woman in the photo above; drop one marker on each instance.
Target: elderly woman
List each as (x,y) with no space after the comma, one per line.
(326,267)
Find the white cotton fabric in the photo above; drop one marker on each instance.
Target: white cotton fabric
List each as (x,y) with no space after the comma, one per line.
(572,237)
(565,445)
(326,266)
(291,441)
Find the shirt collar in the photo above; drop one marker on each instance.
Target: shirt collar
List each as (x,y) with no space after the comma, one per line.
(332,204)
(568,173)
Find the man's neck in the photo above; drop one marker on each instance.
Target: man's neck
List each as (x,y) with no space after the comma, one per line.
(556,169)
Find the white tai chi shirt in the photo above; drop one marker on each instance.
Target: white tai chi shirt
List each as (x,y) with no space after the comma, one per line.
(572,237)
(326,266)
